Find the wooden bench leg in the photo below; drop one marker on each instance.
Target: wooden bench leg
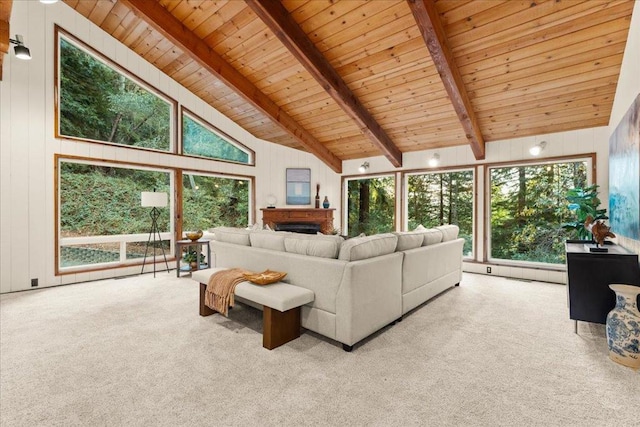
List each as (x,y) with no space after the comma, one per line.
(279,327)
(204,310)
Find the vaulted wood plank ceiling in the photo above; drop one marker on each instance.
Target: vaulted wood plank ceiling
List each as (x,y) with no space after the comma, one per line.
(356,79)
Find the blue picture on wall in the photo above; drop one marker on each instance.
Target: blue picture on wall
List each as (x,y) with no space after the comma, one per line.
(298,186)
(624,175)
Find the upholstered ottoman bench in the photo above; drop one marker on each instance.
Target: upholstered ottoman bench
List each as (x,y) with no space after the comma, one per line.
(281,304)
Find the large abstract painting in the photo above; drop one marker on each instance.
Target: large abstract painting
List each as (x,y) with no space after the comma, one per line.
(624,175)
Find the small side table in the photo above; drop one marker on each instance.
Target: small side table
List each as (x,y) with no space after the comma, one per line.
(198,244)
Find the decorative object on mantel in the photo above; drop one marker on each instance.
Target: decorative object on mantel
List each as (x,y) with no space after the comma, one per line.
(271,201)
(600,231)
(317,196)
(623,327)
(194,235)
(325,202)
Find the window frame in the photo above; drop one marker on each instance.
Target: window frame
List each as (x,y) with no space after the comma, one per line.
(251,189)
(474,208)
(345,197)
(59,33)
(170,235)
(213,129)
(589,158)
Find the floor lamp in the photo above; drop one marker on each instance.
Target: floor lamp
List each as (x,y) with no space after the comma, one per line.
(151,199)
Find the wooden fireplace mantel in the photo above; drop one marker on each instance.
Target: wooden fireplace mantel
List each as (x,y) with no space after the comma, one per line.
(321,216)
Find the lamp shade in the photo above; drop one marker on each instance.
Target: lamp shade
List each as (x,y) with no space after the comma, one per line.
(22,52)
(151,199)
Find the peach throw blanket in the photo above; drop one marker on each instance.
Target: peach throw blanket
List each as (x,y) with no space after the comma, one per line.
(221,288)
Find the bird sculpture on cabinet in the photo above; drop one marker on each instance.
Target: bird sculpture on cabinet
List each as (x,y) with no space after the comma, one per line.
(599,230)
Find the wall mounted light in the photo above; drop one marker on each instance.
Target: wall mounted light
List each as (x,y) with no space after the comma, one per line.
(21,51)
(364,167)
(538,148)
(434,160)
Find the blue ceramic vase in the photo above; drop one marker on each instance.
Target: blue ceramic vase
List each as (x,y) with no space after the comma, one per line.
(623,327)
(325,203)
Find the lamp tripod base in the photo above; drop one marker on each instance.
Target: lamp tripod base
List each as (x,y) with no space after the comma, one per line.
(155,232)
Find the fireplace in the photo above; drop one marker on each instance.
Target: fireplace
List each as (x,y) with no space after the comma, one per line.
(298,227)
(300,218)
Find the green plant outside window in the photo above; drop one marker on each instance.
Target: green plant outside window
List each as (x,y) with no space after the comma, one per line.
(528,208)
(371,205)
(101,104)
(203,141)
(99,200)
(210,201)
(442,198)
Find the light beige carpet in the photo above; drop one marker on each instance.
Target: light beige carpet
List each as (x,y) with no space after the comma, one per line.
(135,352)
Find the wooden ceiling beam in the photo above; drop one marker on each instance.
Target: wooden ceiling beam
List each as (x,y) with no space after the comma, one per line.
(287,30)
(426,16)
(166,24)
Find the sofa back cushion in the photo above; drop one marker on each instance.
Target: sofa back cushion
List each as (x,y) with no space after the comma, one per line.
(431,236)
(368,247)
(449,232)
(238,236)
(313,245)
(408,240)
(273,240)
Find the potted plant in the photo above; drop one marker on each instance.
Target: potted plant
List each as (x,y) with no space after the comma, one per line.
(583,202)
(192,257)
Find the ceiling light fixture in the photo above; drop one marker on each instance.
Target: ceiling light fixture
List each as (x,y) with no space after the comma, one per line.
(21,51)
(364,167)
(434,160)
(538,148)
(48,1)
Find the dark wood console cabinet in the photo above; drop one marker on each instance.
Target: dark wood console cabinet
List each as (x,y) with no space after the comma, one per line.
(323,217)
(589,275)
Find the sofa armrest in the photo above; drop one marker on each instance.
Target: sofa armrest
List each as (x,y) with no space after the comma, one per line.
(369,297)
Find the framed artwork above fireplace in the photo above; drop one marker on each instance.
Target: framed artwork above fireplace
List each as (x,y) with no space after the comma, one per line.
(298,186)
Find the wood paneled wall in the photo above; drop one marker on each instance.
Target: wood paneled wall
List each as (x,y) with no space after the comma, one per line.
(27,147)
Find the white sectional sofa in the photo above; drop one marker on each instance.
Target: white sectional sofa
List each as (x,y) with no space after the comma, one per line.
(360,284)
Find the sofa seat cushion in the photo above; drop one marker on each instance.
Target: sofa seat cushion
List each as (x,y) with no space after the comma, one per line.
(239,236)
(323,246)
(408,240)
(368,247)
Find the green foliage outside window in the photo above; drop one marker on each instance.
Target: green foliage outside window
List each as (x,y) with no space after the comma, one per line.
(199,140)
(99,103)
(105,200)
(371,205)
(528,209)
(209,201)
(442,198)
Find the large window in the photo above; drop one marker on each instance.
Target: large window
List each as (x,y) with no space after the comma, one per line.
(199,138)
(442,198)
(528,208)
(101,219)
(210,201)
(371,205)
(99,102)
